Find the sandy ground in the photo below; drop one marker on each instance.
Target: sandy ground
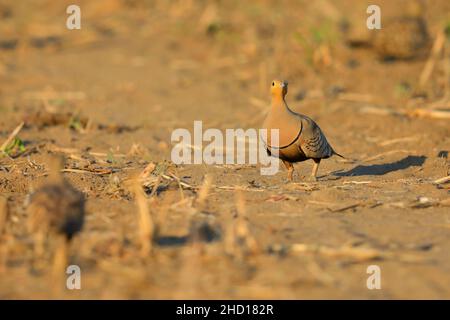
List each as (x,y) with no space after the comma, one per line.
(137,75)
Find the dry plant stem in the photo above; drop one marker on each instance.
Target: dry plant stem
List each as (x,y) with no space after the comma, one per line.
(383,154)
(39,244)
(373,109)
(155,187)
(3,213)
(357,182)
(180,187)
(418,112)
(359,254)
(204,191)
(145,221)
(434,114)
(344,208)
(431,62)
(3,243)
(107,171)
(242,231)
(73,151)
(60,261)
(392,141)
(442,180)
(446,62)
(11,137)
(172,177)
(3,255)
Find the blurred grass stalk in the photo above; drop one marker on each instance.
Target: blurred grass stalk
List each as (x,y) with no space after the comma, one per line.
(146,224)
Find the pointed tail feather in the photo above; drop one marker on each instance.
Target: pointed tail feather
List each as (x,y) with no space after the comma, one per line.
(339,155)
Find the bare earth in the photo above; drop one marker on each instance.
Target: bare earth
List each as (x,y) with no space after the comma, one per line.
(137,74)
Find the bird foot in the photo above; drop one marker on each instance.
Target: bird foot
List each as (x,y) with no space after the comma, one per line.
(312,179)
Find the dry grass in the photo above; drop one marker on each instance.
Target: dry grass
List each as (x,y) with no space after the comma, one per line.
(214,60)
(145,221)
(3,214)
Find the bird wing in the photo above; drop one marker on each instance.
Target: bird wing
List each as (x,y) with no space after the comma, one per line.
(312,140)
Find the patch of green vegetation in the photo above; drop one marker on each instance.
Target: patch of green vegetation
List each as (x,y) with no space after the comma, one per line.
(402,89)
(253,10)
(110,158)
(325,33)
(305,43)
(15,147)
(216,29)
(447,30)
(75,124)
(58,102)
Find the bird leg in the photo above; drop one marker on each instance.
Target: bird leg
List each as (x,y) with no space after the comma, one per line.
(290,169)
(314,170)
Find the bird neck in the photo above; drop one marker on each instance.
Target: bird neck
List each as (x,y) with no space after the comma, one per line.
(278,101)
(279,104)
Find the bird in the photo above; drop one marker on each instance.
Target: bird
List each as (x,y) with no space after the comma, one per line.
(405,36)
(56,213)
(300,138)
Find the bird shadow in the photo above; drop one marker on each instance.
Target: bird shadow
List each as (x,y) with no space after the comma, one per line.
(172,241)
(203,233)
(384,168)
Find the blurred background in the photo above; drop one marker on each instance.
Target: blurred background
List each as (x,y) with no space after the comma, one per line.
(322,47)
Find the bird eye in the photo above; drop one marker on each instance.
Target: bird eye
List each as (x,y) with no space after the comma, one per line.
(273,84)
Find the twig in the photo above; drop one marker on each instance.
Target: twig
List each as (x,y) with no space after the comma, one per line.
(442,180)
(358,254)
(204,191)
(104,171)
(435,114)
(3,213)
(11,137)
(145,222)
(383,154)
(344,208)
(155,187)
(380,111)
(434,55)
(172,177)
(234,188)
(321,203)
(357,182)
(77,151)
(392,141)
(419,112)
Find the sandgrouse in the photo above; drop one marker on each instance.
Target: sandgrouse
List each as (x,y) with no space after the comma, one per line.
(56,209)
(405,36)
(300,138)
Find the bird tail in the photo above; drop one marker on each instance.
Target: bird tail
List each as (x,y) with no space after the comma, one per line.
(339,155)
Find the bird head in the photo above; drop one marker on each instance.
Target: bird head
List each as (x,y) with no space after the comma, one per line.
(279,88)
